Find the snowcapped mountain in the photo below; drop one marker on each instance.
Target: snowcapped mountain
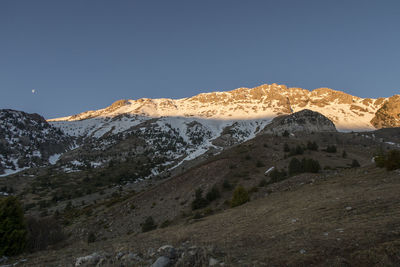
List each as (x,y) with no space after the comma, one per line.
(165,133)
(264,102)
(28,140)
(174,130)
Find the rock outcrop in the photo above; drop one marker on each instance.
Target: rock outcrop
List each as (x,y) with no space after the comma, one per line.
(389,114)
(303,121)
(167,255)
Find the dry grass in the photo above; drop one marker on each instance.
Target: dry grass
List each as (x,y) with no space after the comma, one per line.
(311,218)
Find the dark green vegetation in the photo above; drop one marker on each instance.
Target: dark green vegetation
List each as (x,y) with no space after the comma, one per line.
(389,160)
(331,149)
(200,202)
(43,233)
(355,164)
(305,165)
(213,194)
(276,176)
(149,224)
(12,227)
(240,196)
(19,233)
(91,237)
(300,148)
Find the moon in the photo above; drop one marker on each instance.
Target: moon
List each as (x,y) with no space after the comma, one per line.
(33,91)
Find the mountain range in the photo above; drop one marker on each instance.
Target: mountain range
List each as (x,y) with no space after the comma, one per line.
(174,131)
(266,101)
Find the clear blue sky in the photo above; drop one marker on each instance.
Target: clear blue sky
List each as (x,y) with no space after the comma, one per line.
(85,54)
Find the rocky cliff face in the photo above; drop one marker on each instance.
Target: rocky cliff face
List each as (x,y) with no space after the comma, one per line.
(303,121)
(389,114)
(27,140)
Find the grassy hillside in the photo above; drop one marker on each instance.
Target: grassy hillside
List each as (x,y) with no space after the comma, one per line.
(344,214)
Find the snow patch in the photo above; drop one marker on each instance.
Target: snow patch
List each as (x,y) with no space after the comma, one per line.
(54,158)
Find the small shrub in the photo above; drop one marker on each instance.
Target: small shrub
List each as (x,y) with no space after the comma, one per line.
(213,194)
(44,213)
(240,196)
(305,165)
(286,147)
(331,149)
(263,183)
(69,206)
(148,225)
(166,223)
(227,185)
(355,164)
(312,146)
(208,211)
(254,189)
(260,164)
(115,194)
(199,202)
(310,165)
(285,133)
(197,216)
(295,166)
(91,237)
(393,160)
(390,160)
(298,150)
(380,158)
(277,175)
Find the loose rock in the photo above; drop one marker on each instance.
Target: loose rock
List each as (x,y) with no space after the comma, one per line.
(161,262)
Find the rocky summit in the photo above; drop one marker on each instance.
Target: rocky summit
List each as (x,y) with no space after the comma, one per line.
(303,121)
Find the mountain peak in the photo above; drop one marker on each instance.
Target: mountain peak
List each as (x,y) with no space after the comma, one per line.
(306,120)
(262,102)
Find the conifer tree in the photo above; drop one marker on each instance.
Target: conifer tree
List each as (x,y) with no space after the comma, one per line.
(12,227)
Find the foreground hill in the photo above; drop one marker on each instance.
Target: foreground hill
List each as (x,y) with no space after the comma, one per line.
(244,164)
(342,216)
